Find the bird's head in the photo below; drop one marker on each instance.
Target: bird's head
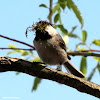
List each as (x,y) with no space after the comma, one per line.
(41,26)
(44,30)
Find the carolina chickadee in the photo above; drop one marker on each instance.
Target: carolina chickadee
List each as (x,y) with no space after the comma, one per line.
(51,48)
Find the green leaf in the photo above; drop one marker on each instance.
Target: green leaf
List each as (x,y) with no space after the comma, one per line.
(83,66)
(17,73)
(84,35)
(96,42)
(97,58)
(14,51)
(98,67)
(55,26)
(36,83)
(63,30)
(59,11)
(72,35)
(68,5)
(71,5)
(80,43)
(80,48)
(56,18)
(31,52)
(91,75)
(62,3)
(43,5)
(37,59)
(24,53)
(55,8)
(11,46)
(73,28)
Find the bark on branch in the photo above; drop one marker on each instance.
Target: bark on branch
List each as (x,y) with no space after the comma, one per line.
(34,69)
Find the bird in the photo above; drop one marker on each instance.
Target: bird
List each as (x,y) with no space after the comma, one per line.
(51,47)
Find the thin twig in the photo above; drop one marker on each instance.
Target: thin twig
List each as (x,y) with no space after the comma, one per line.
(93,50)
(17,41)
(83,54)
(34,47)
(73,53)
(85,43)
(50,12)
(16,49)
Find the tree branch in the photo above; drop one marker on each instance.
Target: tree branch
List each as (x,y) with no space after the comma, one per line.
(50,12)
(93,50)
(73,53)
(16,49)
(34,69)
(85,54)
(18,41)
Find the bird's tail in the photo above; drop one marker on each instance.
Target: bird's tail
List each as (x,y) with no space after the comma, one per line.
(71,69)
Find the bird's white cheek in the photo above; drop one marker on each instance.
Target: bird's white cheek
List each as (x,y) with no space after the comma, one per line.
(51,30)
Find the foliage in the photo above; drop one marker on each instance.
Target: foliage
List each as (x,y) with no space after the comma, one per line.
(84,36)
(57,20)
(96,42)
(30,57)
(36,83)
(83,66)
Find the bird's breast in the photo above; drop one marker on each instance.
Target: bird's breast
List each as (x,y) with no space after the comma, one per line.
(49,52)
